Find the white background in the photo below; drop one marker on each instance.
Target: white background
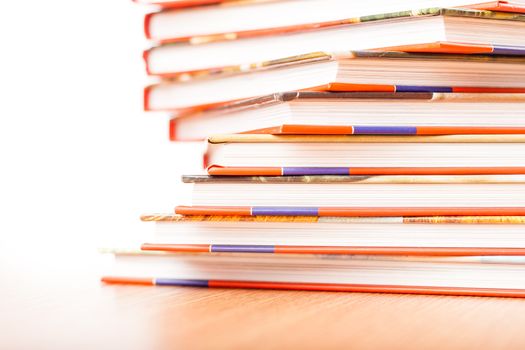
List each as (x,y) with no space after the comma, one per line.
(80,160)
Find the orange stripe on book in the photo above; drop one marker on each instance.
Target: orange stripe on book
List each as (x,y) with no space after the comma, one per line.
(370,288)
(417,251)
(173,130)
(438,171)
(508,8)
(205,160)
(175,40)
(147,91)
(188,248)
(241,171)
(419,211)
(441,47)
(487,89)
(316,129)
(128,280)
(448,130)
(147,24)
(145,57)
(205,210)
(272,130)
(182,4)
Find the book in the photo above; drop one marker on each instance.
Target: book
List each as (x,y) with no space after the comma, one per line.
(357,195)
(427,236)
(250,18)
(321,112)
(289,155)
(354,71)
(478,31)
(477,276)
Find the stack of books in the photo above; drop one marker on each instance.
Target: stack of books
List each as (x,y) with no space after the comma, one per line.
(373,146)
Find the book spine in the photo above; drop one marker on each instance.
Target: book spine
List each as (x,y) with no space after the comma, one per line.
(266,138)
(147,25)
(333,250)
(295,129)
(341,87)
(216,170)
(350,211)
(327,287)
(172,131)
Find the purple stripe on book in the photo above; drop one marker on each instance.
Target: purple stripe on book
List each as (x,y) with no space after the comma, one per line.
(178,282)
(290,171)
(233,248)
(286,211)
(508,50)
(385,130)
(410,88)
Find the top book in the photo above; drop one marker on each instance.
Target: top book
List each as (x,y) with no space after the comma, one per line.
(260,17)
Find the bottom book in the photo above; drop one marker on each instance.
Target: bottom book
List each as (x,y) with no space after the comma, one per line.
(476,276)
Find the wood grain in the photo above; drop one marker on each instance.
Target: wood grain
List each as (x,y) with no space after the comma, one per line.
(79,311)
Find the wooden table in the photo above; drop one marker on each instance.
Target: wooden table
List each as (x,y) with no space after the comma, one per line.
(70,309)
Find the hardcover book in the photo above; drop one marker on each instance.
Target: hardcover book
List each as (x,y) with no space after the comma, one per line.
(271,155)
(477,276)
(326,195)
(354,71)
(426,236)
(342,113)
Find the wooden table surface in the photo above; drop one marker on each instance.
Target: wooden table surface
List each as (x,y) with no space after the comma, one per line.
(70,309)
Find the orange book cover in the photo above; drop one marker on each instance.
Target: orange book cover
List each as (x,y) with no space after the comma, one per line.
(321,287)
